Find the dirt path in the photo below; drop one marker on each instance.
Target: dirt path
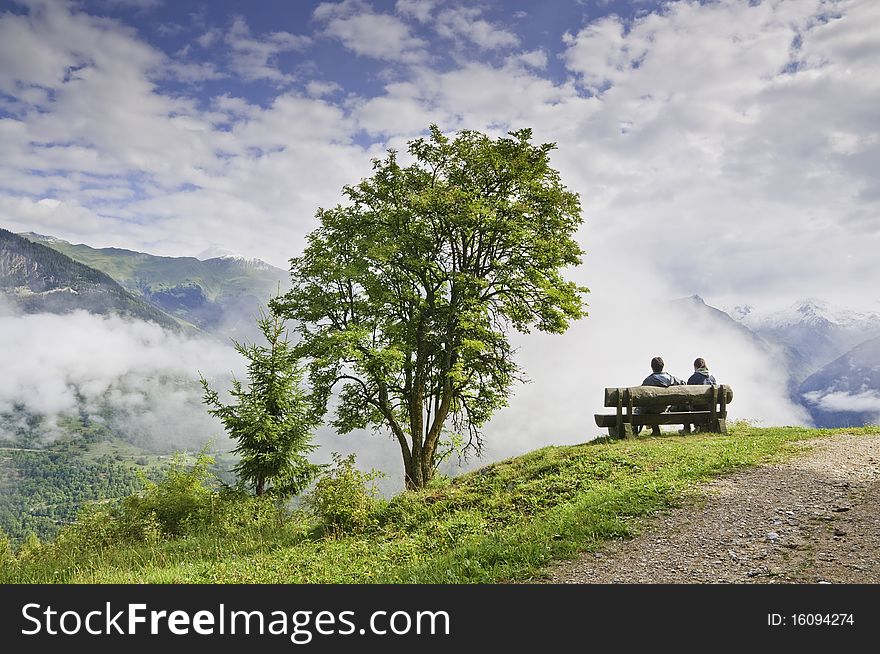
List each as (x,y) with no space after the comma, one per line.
(812,519)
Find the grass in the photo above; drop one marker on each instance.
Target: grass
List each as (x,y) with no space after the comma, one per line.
(502,523)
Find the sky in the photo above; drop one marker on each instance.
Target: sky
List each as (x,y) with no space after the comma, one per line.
(728,149)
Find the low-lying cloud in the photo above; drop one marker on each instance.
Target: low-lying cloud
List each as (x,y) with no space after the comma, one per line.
(131,375)
(864,402)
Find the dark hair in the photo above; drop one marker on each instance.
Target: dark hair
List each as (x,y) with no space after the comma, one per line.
(657,364)
(699,362)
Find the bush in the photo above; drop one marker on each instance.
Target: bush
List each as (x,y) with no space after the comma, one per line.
(342,500)
(30,548)
(179,502)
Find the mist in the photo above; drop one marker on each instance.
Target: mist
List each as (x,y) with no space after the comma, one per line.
(633,317)
(865,402)
(135,377)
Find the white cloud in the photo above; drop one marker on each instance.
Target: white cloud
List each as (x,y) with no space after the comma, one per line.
(599,52)
(317,88)
(256,58)
(66,220)
(138,4)
(194,72)
(866,401)
(403,111)
(533,58)
(364,32)
(58,365)
(418,9)
(465,23)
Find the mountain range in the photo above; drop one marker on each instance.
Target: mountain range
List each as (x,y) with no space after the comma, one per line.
(813,332)
(220,295)
(832,355)
(38,279)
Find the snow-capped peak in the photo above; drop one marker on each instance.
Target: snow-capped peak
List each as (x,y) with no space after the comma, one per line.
(214,252)
(740,312)
(808,311)
(228,255)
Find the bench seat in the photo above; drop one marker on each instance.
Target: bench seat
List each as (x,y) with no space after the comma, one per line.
(668,418)
(640,406)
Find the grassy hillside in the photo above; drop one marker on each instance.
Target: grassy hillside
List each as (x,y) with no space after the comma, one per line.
(503,522)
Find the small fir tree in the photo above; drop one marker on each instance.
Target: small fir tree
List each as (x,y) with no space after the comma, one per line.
(272,418)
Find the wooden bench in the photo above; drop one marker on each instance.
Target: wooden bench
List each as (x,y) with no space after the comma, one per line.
(706,408)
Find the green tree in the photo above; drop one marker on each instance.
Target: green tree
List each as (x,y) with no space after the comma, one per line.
(272,418)
(407,294)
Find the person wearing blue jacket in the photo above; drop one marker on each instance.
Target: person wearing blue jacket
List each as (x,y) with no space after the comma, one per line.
(701,377)
(662,379)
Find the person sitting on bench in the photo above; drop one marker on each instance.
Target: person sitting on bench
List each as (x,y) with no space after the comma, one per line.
(701,377)
(662,379)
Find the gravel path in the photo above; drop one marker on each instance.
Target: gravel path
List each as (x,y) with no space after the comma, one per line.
(812,519)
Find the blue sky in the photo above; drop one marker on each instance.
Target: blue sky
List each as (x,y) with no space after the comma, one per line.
(725,148)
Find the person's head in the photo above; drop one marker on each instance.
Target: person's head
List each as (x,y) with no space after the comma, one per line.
(699,362)
(657,364)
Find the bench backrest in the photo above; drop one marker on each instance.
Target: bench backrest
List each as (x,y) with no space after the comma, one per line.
(657,397)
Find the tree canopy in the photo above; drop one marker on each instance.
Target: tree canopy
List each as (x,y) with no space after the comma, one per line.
(405,296)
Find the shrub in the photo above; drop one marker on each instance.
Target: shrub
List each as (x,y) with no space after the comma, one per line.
(343,499)
(180,501)
(30,548)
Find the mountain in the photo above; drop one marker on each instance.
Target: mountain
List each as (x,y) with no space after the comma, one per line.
(222,295)
(813,332)
(846,392)
(695,306)
(38,279)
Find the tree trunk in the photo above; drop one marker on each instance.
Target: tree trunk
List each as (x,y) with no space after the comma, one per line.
(413,474)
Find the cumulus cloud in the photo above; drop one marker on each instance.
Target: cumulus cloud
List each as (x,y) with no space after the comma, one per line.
(418,9)
(132,167)
(255,58)
(465,23)
(317,88)
(532,58)
(371,34)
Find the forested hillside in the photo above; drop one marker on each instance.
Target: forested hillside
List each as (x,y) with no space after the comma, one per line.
(37,279)
(222,295)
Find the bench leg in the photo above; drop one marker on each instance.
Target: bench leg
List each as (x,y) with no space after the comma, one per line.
(624,430)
